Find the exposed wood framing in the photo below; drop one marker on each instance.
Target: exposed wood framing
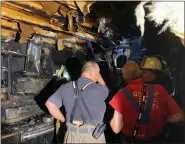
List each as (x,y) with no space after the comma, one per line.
(21,15)
(35,7)
(45,32)
(9,24)
(84,6)
(11,28)
(62,44)
(7,33)
(50,7)
(35,18)
(80,38)
(49,40)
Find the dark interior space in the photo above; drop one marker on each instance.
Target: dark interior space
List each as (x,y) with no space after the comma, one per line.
(38,57)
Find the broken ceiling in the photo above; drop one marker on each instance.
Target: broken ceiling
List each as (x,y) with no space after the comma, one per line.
(51,20)
(67,23)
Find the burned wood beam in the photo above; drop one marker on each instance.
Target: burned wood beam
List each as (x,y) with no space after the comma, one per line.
(48,40)
(36,8)
(82,36)
(89,31)
(12,26)
(62,44)
(7,33)
(32,24)
(23,16)
(9,24)
(50,7)
(76,40)
(84,6)
(65,3)
(9,28)
(47,34)
(26,32)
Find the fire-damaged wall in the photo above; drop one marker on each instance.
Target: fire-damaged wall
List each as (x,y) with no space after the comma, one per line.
(27,68)
(45,44)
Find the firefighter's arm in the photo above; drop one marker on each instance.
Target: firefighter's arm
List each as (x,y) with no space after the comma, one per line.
(55,111)
(174,113)
(117,122)
(176,118)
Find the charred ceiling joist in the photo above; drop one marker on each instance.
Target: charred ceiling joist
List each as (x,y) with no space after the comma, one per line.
(57,17)
(36,8)
(34,15)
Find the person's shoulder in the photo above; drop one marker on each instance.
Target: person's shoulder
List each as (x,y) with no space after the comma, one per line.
(158,86)
(66,85)
(161,90)
(97,87)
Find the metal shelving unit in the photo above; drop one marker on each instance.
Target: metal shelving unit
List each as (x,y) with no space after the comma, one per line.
(10,54)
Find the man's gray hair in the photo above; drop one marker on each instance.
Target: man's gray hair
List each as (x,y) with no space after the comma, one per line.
(89,66)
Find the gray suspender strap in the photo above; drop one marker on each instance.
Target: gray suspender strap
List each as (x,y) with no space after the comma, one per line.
(77,96)
(86,85)
(131,99)
(140,114)
(75,103)
(148,108)
(146,114)
(86,108)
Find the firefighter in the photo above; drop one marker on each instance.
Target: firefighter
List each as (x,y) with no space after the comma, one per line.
(152,73)
(138,122)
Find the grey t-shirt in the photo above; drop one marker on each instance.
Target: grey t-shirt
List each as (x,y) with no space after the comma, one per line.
(94,96)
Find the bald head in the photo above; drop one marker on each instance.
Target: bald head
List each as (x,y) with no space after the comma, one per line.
(131,71)
(90,66)
(90,70)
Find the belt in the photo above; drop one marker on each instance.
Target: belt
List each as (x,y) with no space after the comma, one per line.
(80,129)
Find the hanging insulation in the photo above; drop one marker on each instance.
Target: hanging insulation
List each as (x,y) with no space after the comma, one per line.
(171,14)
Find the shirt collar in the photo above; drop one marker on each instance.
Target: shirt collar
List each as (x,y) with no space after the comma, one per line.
(136,81)
(85,79)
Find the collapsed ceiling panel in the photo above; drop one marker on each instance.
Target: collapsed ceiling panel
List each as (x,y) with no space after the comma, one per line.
(27,30)
(50,7)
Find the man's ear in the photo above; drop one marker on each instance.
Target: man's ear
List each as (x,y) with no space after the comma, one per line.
(124,79)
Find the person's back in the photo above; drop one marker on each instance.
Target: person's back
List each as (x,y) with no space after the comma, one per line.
(162,107)
(125,116)
(81,119)
(94,96)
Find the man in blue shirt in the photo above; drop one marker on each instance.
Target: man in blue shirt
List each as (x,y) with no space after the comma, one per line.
(94,96)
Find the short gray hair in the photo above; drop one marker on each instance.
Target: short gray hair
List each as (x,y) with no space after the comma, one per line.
(89,66)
